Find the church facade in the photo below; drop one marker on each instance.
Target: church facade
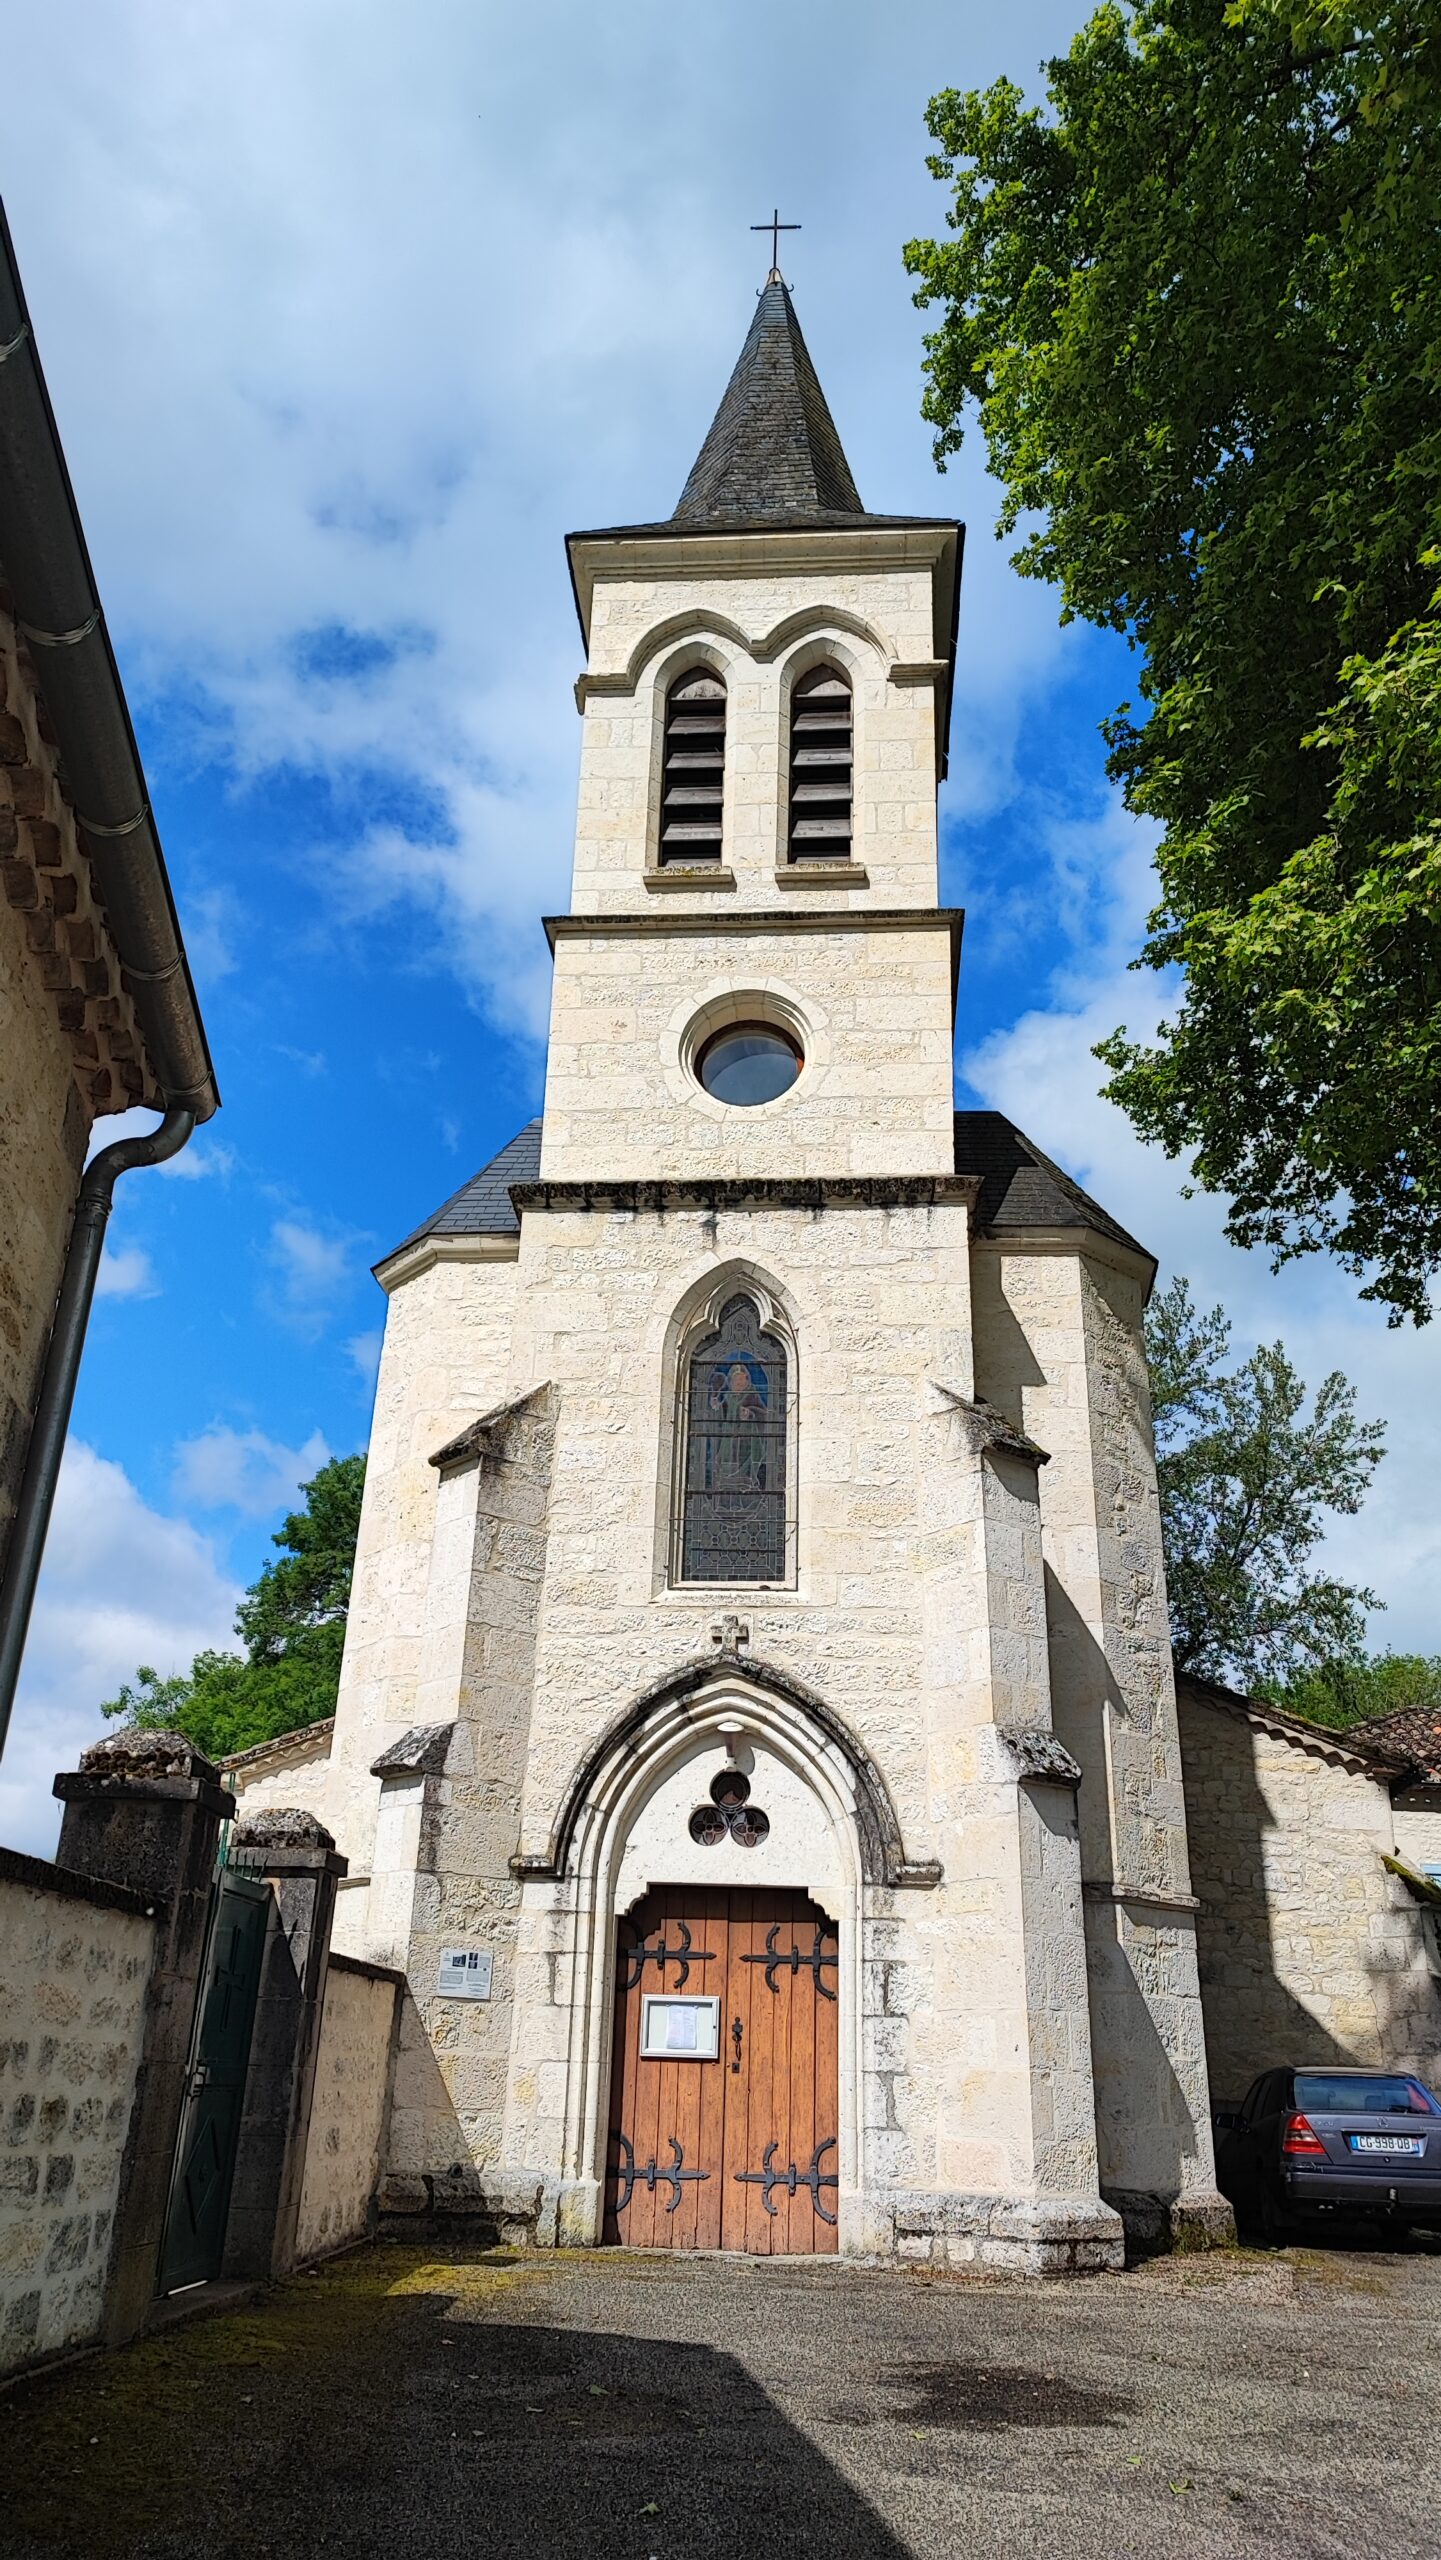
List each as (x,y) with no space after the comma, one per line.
(757,1742)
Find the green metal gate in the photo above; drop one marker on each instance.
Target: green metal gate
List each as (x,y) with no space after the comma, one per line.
(210,2126)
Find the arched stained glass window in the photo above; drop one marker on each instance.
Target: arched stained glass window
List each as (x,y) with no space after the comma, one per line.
(733,1493)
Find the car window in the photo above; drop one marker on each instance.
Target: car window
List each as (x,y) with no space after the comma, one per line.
(1344,2093)
(1251,2103)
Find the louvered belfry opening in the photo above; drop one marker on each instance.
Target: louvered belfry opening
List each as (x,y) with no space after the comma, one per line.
(693,775)
(821,768)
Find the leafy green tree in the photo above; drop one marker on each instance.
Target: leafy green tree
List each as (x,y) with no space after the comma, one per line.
(1247,1478)
(1196,303)
(292,1621)
(1349,1693)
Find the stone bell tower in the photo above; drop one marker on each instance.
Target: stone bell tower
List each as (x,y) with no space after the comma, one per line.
(823,637)
(757,1676)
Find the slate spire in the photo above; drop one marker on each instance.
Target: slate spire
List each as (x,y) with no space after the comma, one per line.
(773,449)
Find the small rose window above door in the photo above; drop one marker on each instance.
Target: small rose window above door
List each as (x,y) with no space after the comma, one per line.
(729,1815)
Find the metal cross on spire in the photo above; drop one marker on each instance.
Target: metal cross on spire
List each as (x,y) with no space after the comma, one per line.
(775,227)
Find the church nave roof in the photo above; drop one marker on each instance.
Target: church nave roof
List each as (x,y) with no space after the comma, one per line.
(1020,1187)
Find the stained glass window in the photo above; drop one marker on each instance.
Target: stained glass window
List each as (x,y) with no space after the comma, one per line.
(734,1486)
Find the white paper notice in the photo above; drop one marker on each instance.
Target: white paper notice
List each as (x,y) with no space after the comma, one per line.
(465,1973)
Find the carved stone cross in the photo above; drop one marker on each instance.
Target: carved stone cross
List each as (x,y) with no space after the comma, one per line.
(732,1635)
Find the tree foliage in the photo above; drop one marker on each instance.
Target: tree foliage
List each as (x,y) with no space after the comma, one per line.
(1196,302)
(1247,1477)
(1344,1693)
(292,1621)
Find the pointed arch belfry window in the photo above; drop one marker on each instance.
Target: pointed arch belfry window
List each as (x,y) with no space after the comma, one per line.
(821,767)
(733,1474)
(693,768)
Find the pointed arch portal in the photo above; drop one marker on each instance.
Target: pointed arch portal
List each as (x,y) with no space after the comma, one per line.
(624,1844)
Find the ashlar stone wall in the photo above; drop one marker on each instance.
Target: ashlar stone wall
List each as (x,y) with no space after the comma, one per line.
(69,1042)
(1059,1350)
(871,614)
(1418,1828)
(868,1000)
(76,1966)
(447,1359)
(43,1129)
(350,2106)
(1310,1950)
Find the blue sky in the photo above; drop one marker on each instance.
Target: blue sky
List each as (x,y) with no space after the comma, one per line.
(348,317)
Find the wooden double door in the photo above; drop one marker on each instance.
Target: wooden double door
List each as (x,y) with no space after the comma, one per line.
(724,2119)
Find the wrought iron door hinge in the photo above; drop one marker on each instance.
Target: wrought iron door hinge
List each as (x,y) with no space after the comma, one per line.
(685,1955)
(651,2176)
(768,2179)
(793,1959)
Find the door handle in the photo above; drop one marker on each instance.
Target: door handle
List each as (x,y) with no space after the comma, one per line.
(736,2034)
(199,2078)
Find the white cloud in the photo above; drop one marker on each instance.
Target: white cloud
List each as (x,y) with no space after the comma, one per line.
(123,1584)
(364,1350)
(1042,1073)
(312,1270)
(126,1271)
(197,1162)
(245,1471)
(346,426)
(212,917)
(200,1156)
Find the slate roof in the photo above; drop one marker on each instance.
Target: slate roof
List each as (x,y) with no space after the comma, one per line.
(772,449)
(481,1207)
(773,460)
(1020,1187)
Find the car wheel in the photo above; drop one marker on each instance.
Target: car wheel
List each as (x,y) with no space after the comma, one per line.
(1277,2229)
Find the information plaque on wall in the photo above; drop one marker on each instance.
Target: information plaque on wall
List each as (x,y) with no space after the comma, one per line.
(465,1973)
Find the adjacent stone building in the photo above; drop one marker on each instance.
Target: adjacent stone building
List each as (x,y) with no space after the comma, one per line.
(96,1007)
(1316,1858)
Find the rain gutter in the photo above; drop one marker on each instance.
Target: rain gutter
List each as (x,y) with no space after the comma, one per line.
(46,566)
(57,1387)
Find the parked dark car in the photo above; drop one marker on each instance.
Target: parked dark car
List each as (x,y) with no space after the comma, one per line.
(1308,2147)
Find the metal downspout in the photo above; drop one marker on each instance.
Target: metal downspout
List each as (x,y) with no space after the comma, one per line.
(57,1385)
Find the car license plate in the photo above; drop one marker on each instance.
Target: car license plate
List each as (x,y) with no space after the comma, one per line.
(1410,2144)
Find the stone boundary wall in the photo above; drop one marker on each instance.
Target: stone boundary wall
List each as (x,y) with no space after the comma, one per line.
(77,1958)
(350,2108)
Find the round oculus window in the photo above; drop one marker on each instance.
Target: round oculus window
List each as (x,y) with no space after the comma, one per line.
(747,1063)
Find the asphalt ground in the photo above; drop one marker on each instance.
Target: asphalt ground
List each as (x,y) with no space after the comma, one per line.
(422,2406)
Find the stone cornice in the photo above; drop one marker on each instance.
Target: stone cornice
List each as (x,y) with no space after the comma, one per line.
(752,920)
(1145,1898)
(46,876)
(758,551)
(988,1429)
(796,1191)
(482,1443)
(1089,1243)
(410,1260)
